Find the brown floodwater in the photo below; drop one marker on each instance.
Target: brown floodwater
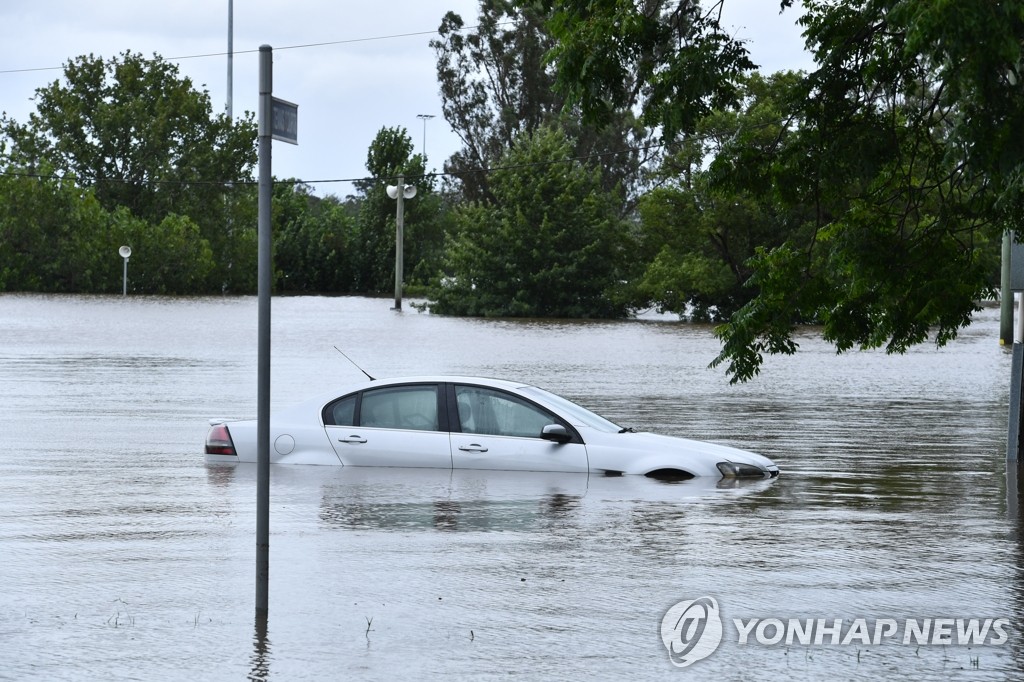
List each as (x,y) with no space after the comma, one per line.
(125,557)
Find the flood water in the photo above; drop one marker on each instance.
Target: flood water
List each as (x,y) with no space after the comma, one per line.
(123,556)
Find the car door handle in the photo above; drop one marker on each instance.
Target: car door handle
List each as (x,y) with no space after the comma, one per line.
(474,447)
(352,439)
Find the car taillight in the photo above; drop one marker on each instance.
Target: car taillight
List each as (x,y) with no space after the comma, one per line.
(218,441)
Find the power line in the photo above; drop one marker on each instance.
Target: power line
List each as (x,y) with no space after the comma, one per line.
(286,47)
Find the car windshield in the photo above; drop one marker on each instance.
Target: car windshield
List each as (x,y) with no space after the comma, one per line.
(578,415)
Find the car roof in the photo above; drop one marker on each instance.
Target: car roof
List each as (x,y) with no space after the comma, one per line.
(346,389)
(433,378)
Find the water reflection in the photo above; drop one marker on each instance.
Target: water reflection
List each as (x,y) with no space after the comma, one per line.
(367,498)
(451,515)
(259,665)
(397,499)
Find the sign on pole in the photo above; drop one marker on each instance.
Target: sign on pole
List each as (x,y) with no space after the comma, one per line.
(284,121)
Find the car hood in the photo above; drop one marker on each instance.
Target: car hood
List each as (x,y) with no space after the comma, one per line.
(638,453)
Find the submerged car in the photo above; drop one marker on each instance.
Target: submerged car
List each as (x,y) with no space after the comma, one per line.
(445,422)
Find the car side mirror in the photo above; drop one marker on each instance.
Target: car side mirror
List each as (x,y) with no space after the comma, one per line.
(556,433)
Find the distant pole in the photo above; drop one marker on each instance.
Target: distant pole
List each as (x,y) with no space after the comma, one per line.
(264,269)
(401,192)
(424,118)
(231,57)
(1006,293)
(399,239)
(125,251)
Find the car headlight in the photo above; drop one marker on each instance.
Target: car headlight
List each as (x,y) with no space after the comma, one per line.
(740,470)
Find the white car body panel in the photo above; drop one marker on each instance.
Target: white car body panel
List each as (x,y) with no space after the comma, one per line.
(370,447)
(651,451)
(310,443)
(505,453)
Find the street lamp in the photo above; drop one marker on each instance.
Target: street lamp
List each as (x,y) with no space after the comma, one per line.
(401,191)
(125,252)
(424,118)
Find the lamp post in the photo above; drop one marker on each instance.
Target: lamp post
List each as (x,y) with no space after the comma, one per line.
(125,252)
(424,118)
(401,191)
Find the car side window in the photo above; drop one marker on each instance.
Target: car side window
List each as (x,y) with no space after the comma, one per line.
(496,413)
(400,407)
(341,412)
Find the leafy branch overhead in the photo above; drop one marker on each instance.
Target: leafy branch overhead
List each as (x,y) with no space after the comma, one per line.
(896,171)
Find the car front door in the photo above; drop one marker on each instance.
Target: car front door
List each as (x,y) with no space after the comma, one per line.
(392,426)
(494,429)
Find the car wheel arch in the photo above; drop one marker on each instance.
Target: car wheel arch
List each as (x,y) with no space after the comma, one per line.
(670,474)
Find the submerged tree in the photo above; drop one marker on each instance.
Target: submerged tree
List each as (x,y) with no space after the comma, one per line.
(313,241)
(55,237)
(141,137)
(551,244)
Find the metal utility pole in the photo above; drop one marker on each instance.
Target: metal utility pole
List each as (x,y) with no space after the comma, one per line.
(264,268)
(231,57)
(399,242)
(125,252)
(278,120)
(400,192)
(1013,278)
(1006,293)
(424,118)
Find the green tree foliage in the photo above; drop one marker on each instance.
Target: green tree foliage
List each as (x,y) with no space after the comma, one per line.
(672,57)
(903,155)
(48,237)
(904,158)
(718,204)
(313,241)
(55,237)
(551,245)
(141,137)
(496,85)
(170,257)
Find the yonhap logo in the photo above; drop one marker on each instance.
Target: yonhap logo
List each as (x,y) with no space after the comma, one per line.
(691,630)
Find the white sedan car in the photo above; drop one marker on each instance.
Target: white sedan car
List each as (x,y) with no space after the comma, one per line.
(445,422)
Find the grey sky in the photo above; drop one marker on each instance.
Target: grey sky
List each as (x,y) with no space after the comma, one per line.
(346,92)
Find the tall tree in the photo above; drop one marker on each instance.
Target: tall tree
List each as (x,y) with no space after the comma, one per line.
(673,58)
(496,85)
(550,245)
(389,156)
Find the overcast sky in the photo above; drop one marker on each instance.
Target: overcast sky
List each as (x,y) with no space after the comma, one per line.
(379,72)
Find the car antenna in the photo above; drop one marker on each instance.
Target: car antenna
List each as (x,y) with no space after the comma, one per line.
(353,362)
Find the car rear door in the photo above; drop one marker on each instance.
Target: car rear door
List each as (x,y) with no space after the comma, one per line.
(496,429)
(391,426)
